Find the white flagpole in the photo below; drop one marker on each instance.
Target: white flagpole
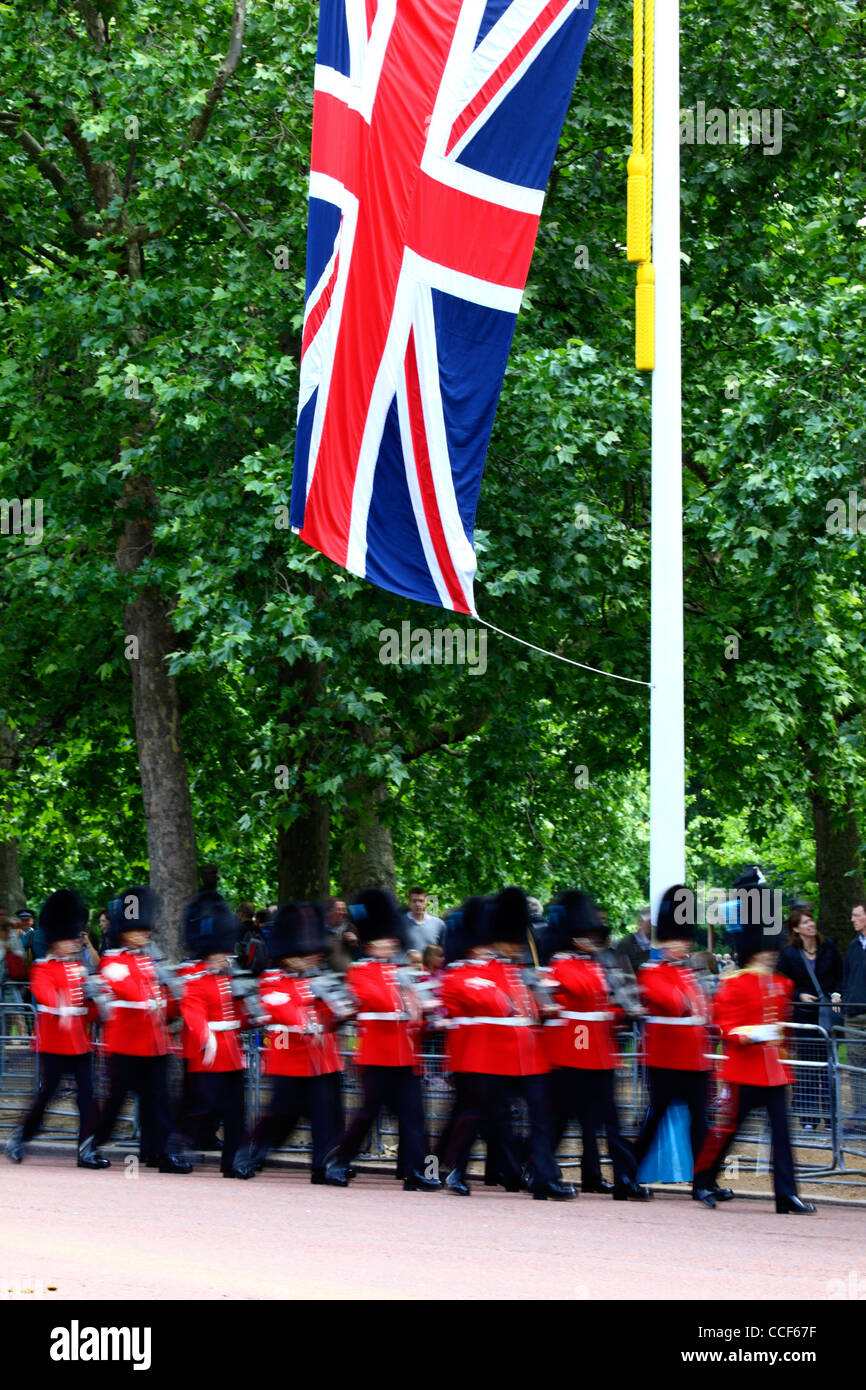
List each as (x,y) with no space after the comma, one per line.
(667,737)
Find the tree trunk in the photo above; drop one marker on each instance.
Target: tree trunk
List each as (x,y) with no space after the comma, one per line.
(11,888)
(156,710)
(838,865)
(303,855)
(367,858)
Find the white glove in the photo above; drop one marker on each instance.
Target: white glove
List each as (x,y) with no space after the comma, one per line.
(66,1011)
(210,1049)
(759,1032)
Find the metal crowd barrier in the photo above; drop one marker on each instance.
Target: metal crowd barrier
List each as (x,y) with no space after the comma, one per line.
(827,1098)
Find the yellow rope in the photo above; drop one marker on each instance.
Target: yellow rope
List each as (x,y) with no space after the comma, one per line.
(639,209)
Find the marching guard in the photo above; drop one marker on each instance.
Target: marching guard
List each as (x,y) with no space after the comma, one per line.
(581,1048)
(135,1033)
(749,1007)
(64,1008)
(300,1046)
(477,1010)
(390,1019)
(676,1037)
(215,1014)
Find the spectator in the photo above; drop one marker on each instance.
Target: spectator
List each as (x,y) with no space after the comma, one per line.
(99,931)
(420,928)
(854,998)
(414,960)
(433,961)
(13,974)
(634,948)
(343,945)
(815,968)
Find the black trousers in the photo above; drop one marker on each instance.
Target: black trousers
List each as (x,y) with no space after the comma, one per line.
(316,1098)
(52,1068)
(588,1096)
(740,1100)
(666,1086)
(400,1089)
(482,1108)
(223,1095)
(192,1120)
(147,1078)
(535,1092)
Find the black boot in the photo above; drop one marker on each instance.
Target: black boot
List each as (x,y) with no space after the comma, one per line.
(172,1163)
(456,1183)
(795,1205)
(597,1185)
(90,1157)
(336,1173)
(557,1191)
(15,1147)
(627,1190)
(416,1182)
(705,1195)
(722,1194)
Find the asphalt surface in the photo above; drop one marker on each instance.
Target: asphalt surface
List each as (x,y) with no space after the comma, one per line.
(106,1235)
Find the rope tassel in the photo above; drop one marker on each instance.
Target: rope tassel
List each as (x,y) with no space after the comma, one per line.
(639,204)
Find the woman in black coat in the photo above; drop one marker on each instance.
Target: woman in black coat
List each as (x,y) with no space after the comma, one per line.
(808,948)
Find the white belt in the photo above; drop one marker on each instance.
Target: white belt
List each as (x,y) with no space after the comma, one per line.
(222,1027)
(284,1028)
(65,1012)
(516,1022)
(588,1018)
(134,1004)
(693,1019)
(383,1018)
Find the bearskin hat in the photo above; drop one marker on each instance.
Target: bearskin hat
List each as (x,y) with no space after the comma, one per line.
(63,917)
(676,915)
(376,917)
(297,930)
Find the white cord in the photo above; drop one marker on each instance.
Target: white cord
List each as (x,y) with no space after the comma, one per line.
(557,657)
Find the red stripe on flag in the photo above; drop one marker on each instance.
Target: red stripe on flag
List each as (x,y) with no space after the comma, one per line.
(383,167)
(319,309)
(467,233)
(371,15)
(500,76)
(338,135)
(425,480)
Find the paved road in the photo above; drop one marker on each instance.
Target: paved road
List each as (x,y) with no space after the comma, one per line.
(102,1235)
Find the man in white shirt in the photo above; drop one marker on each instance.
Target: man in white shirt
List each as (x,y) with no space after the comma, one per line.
(421,929)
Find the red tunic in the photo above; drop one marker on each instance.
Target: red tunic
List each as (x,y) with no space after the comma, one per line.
(209,1010)
(187,971)
(137,1015)
(582,1035)
(57,985)
(495,1026)
(672,992)
(299,1040)
(389,1018)
(753,997)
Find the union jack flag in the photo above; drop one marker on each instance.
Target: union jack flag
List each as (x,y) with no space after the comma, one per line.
(435,123)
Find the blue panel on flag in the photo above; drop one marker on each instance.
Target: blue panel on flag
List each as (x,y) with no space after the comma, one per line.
(401,569)
(302,454)
(518,141)
(471,379)
(493,10)
(333,48)
(323,227)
